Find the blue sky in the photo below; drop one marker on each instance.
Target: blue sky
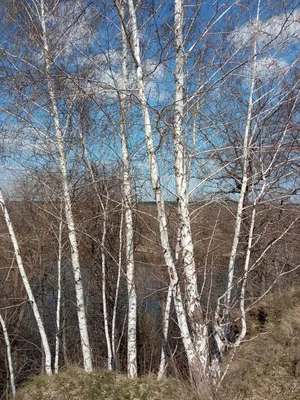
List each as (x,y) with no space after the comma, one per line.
(92,51)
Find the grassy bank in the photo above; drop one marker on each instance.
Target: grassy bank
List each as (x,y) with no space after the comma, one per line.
(75,384)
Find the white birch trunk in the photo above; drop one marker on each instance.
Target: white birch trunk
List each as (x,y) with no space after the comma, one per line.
(108,338)
(64,330)
(155,182)
(127,188)
(239,214)
(245,278)
(9,357)
(166,320)
(256,200)
(81,313)
(104,300)
(31,298)
(114,317)
(222,321)
(163,355)
(58,305)
(198,327)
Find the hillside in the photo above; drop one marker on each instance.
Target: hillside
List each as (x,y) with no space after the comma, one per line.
(267,366)
(75,384)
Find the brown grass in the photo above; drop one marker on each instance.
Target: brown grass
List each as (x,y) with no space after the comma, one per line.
(75,384)
(267,366)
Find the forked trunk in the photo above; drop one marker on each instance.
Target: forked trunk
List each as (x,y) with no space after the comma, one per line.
(155,181)
(192,298)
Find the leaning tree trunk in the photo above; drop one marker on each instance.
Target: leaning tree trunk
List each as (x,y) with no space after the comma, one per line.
(9,357)
(31,298)
(166,322)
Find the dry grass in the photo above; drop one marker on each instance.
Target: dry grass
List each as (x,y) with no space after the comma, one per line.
(75,384)
(267,366)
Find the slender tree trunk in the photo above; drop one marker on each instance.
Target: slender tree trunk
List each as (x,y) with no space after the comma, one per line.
(198,327)
(110,362)
(166,322)
(222,318)
(9,357)
(64,327)
(155,181)
(58,305)
(31,298)
(81,313)
(104,208)
(114,317)
(127,188)
(239,214)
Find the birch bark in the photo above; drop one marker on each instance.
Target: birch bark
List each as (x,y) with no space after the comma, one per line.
(163,355)
(156,187)
(58,305)
(81,313)
(222,318)
(9,357)
(127,187)
(198,327)
(114,317)
(31,298)
(110,361)
(240,207)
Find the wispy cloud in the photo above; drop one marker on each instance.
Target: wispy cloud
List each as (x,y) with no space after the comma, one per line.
(69,27)
(278,30)
(267,69)
(101,76)
(272,36)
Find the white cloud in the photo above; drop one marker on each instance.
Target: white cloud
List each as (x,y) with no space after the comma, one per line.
(102,77)
(278,30)
(24,140)
(270,68)
(267,68)
(274,33)
(68,25)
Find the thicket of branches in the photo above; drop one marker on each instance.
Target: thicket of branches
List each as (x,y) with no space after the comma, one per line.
(150,176)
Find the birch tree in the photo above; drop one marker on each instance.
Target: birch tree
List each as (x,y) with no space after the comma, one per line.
(127,188)
(156,186)
(210,95)
(85,345)
(9,356)
(59,295)
(238,219)
(198,327)
(30,295)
